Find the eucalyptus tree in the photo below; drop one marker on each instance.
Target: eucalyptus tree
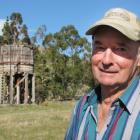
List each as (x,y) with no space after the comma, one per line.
(40,34)
(15,25)
(1,40)
(78,49)
(24,35)
(7,34)
(66,50)
(14,31)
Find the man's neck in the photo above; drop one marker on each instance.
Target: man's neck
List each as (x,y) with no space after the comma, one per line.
(110,94)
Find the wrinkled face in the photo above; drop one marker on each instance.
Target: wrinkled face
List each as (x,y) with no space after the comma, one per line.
(115,58)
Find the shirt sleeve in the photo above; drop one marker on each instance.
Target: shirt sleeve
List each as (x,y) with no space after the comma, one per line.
(70,133)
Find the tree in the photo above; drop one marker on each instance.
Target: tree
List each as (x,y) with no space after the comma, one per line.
(7,34)
(25,37)
(15,25)
(62,60)
(66,52)
(70,43)
(1,40)
(14,31)
(40,34)
(41,74)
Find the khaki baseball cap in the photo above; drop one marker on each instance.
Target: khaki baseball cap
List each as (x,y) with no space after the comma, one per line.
(121,19)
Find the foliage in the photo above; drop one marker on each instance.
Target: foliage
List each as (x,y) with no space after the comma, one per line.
(7,34)
(14,31)
(24,35)
(39,34)
(63,65)
(61,60)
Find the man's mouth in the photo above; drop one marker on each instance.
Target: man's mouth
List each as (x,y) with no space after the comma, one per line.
(108,71)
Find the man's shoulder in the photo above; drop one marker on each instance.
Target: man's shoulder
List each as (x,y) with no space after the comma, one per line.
(86,98)
(87,95)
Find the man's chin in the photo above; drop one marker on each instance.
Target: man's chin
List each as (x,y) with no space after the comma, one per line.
(107,83)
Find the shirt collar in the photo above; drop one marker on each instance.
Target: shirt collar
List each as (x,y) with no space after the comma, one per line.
(128,98)
(93,97)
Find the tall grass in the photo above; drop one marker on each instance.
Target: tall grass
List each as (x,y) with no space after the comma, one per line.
(32,122)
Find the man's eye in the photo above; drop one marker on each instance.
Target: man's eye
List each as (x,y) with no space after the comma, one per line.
(121,49)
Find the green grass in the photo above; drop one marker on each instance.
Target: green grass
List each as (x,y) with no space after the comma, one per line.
(35,122)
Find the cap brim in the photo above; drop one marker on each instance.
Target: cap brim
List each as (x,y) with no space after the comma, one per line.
(121,26)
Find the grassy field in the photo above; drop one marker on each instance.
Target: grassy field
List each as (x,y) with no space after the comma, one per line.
(35,122)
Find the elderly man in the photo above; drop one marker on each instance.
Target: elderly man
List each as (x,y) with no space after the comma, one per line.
(111,111)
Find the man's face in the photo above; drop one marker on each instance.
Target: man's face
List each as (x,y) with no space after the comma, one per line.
(115,58)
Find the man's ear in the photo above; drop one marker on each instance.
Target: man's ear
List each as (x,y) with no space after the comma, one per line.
(138,58)
(138,64)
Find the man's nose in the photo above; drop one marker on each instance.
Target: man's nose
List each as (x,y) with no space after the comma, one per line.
(107,57)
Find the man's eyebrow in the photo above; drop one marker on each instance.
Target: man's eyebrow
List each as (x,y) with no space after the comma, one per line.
(121,43)
(97,42)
